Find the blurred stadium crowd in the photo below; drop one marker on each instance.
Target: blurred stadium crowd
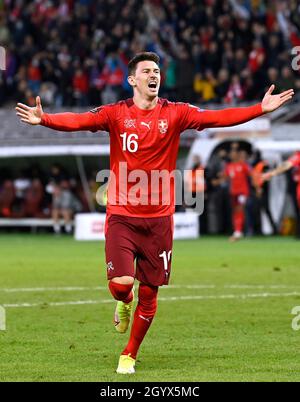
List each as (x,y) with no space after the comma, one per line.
(74,53)
(34,192)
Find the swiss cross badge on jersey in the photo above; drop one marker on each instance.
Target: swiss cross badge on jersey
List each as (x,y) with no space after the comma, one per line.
(163,126)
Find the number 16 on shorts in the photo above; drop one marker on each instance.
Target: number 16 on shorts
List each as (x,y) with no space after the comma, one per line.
(166,256)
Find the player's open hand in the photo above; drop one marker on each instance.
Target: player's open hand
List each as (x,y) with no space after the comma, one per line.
(272,102)
(30,115)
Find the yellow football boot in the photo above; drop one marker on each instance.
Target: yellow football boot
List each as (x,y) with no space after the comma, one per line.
(123,315)
(126,365)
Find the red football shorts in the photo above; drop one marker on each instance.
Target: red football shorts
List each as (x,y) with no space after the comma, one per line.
(148,241)
(238,200)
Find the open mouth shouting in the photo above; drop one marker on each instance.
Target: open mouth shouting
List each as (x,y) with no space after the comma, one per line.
(153,85)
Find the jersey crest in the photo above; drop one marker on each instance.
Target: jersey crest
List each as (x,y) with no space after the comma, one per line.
(163,126)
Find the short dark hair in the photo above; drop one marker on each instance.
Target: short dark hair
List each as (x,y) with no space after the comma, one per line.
(144,56)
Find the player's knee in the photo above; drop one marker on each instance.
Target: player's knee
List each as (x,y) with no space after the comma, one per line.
(120,291)
(123,280)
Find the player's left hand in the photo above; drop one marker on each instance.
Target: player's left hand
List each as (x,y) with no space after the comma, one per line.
(272,102)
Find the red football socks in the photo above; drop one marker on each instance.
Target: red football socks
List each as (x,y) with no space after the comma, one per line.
(121,292)
(238,220)
(143,316)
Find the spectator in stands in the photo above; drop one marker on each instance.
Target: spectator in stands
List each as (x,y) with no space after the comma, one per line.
(286,78)
(21,184)
(218,193)
(235,91)
(63,202)
(240,62)
(64,205)
(112,77)
(275,47)
(47,93)
(261,194)
(222,86)
(195,184)
(205,87)
(7,197)
(272,76)
(57,174)
(80,87)
(185,75)
(34,196)
(256,57)
(169,83)
(64,95)
(250,89)
(34,75)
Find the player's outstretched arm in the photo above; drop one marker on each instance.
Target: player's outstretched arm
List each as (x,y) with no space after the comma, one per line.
(57,121)
(234,116)
(30,115)
(284,167)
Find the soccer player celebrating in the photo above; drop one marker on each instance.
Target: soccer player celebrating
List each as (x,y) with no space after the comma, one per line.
(292,163)
(238,173)
(144,134)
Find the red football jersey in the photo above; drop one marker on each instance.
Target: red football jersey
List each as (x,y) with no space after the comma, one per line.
(238,173)
(295,161)
(147,140)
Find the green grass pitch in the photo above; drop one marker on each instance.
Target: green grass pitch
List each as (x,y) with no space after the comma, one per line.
(226,317)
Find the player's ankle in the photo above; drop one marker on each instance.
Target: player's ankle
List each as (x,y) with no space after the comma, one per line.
(127,352)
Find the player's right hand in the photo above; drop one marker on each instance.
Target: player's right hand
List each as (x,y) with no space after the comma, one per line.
(30,115)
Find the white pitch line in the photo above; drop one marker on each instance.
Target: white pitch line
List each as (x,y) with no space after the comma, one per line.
(52,289)
(230,296)
(82,288)
(96,288)
(173,298)
(261,286)
(57,304)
